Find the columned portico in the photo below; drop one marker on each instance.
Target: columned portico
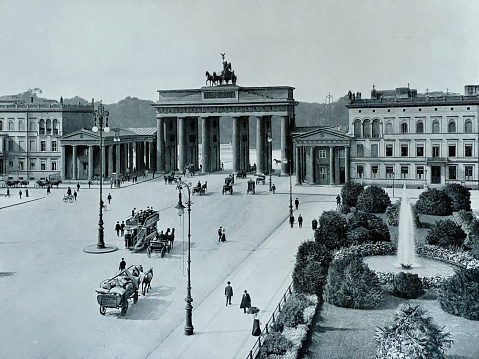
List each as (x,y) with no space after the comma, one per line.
(74,163)
(110,160)
(90,162)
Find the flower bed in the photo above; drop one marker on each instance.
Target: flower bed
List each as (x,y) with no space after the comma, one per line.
(459,257)
(367,249)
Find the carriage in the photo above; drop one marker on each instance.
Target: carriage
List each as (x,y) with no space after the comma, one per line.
(201,189)
(170,178)
(162,244)
(260,179)
(228,188)
(115,292)
(141,229)
(230,179)
(251,187)
(241,174)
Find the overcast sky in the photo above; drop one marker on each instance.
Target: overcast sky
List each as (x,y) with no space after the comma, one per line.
(113,49)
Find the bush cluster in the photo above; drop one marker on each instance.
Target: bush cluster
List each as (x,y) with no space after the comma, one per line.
(446,234)
(460,197)
(351,284)
(407,285)
(373,199)
(366,227)
(412,335)
(392,214)
(350,193)
(292,313)
(459,294)
(332,232)
(275,343)
(434,202)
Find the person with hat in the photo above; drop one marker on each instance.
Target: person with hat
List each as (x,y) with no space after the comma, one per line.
(228,293)
(117,228)
(245,302)
(122,264)
(223,236)
(220,232)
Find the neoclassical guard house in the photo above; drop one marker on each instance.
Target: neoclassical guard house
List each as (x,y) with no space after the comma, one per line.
(125,151)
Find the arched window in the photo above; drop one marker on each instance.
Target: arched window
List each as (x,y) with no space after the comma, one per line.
(21,126)
(404,127)
(468,126)
(389,128)
(367,128)
(357,128)
(11,126)
(435,126)
(451,127)
(49,127)
(42,127)
(1,125)
(55,127)
(376,129)
(419,127)
(32,126)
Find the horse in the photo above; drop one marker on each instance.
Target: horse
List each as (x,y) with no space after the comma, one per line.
(210,78)
(277,162)
(171,237)
(146,281)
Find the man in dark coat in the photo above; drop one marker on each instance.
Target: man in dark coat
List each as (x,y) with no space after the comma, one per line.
(245,301)
(291,220)
(300,221)
(220,232)
(122,264)
(117,228)
(223,236)
(314,224)
(296,203)
(109,198)
(122,227)
(228,293)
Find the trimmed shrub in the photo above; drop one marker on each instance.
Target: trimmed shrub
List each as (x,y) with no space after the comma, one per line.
(332,230)
(274,343)
(350,193)
(460,197)
(459,294)
(358,235)
(446,234)
(392,214)
(407,285)
(292,313)
(351,284)
(378,230)
(373,199)
(315,250)
(434,202)
(466,217)
(344,209)
(412,335)
(309,277)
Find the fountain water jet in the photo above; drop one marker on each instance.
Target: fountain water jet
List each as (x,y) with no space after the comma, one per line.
(406,253)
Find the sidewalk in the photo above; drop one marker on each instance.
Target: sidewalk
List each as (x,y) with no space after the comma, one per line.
(225,331)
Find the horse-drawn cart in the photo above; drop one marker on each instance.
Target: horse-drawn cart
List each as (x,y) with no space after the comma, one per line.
(171,178)
(162,244)
(228,188)
(115,292)
(199,189)
(251,187)
(260,179)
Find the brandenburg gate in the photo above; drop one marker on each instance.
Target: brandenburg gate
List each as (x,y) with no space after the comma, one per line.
(180,113)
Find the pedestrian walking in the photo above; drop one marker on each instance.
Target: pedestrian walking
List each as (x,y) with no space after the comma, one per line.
(89,183)
(111,183)
(291,220)
(300,221)
(122,264)
(75,195)
(48,189)
(314,224)
(245,302)
(256,326)
(8,193)
(122,228)
(220,232)
(338,201)
(273,187)
(26,192)
(296,203)
(154,173)
(228,293)
(20,194)
(117,228)
(78,186)
(109,198)
(223,236)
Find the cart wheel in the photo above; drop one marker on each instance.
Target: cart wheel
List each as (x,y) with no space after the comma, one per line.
(65,199)
(148,252)
(135,297)
(70,199)
(124,307)
(163,250)
(102,310)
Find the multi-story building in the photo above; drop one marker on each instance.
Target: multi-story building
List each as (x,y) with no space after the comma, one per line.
(415,139)
(30,134)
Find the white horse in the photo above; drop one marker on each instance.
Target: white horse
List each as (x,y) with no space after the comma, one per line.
(146,281)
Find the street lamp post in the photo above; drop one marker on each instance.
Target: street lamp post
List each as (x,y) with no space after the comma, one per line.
(286,161)
(180,208)
(270,141)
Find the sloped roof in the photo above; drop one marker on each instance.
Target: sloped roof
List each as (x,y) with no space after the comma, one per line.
(11,99)
(142,130)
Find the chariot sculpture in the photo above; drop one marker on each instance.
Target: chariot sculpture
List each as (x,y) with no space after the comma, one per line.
(226,75)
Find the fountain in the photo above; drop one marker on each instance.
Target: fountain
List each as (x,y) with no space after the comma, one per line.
(406,253)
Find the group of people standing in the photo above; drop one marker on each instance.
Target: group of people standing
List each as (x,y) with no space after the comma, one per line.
(245,305)
(221,234)
(120,228)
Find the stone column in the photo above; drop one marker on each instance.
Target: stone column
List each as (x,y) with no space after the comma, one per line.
(236,144)
(74,162)
(110,160)
(331,165)
(160,145)
(260,165)
(147,155)
(64,167)
(284,144)
(310,165)
(205,143)
(130,158)
(90,162)
(181,143)
(152,156)
(297,154)
(117,155)
(346,163)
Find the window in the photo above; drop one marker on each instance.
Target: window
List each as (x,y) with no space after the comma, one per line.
(43,146)
(32,165)
(468,172)
(468,126)
(10,144)
(435,151)
(55,127)
(322,173)
(420,172)
(360,170)
(404,171)
(10,164)
(43,165)
(11,126)
(357,128)
(42,127)
(20,165)
(21,145)
(452,150)
(21,125)
(367,128)
(54,146)
(215,138)
(389,150)
(322,153)
(452,172)
(374,150)
(32,126)
(419,151)
(468,151)
(451,127)
(404,150)
(435,126)
(360,150)
(54,165)
(404,127)
(389,128)
(389,172)
(1,125)
(374,171)
(32,147)
(419,127)
(376,129)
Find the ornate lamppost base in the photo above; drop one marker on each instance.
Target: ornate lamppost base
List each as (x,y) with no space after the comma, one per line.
(94,249)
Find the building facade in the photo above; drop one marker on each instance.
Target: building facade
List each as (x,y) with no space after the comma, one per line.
(400,136)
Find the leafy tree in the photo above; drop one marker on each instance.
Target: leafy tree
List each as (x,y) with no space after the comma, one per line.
(460,197)
(459,294)
(373,199)
(350,193)
(446,234)
(434,202)
(407,285)
(412,335)
(332,230)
